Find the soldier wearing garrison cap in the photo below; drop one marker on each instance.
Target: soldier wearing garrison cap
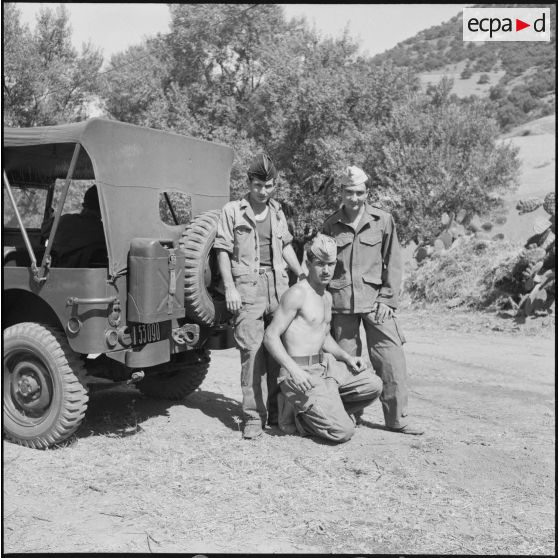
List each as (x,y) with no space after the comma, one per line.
(254,249)
(365,289)
(321,384)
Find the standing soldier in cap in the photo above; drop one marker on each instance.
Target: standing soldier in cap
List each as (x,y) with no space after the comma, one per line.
(365,290)
(254,248)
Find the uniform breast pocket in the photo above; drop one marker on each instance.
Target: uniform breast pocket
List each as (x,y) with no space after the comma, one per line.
(244,245)
(371,254)
(371,238)
(242,230)
(343,240)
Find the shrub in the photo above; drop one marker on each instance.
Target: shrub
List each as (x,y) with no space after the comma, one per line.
(475,272)
(483,79)
(466,73)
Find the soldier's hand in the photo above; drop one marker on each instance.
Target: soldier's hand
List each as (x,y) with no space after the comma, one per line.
(233,298)
(356,364)
(301,379)
(383,312)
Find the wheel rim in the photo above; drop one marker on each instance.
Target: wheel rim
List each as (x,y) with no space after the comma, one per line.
(28,387)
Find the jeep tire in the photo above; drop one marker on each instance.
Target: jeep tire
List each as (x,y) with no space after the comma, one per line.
(44,400)
(202,302)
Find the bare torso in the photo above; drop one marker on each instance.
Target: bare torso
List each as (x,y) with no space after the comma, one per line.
(308,330)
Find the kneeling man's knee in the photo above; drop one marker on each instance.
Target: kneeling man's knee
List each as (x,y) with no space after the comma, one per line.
(342,432)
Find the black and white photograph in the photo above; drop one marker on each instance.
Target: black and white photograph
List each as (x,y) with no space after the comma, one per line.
(278,279)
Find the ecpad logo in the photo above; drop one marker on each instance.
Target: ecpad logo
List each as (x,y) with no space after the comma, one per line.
(506,24)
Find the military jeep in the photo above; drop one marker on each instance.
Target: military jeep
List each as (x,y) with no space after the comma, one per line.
(145,308)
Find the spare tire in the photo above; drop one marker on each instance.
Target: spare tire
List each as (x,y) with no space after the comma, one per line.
(204,302)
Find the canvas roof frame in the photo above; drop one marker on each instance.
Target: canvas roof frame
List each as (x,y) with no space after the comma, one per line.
(132,166)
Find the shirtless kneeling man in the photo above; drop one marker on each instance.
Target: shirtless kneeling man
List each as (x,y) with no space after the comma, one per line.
(324,384)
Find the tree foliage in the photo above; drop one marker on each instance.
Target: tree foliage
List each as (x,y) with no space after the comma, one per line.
(439,156)
(45,80)
(245,76)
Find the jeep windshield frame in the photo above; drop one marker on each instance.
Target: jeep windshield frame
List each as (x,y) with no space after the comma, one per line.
(131,166)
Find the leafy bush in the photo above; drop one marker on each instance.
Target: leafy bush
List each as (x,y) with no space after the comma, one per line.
(483,79)
(476,273)
(466,73)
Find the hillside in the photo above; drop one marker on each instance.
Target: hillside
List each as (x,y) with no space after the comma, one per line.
(536,141)
(518,78)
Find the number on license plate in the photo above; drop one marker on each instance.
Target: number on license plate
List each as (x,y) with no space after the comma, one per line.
(145,333)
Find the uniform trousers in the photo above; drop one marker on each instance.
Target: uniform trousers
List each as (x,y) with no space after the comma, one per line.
(256,362)
(385,348)
(325,409)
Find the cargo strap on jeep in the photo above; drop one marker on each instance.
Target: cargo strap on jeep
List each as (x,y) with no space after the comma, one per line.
(172,280)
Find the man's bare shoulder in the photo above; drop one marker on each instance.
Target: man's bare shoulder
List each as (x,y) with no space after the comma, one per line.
(294,297)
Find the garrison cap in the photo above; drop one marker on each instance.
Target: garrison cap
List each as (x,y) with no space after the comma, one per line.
(324,248)
(354,176)
(262,168)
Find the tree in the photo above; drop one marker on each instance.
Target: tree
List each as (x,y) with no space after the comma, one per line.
(440,157)
(243,75)
(204,78)
(46,81)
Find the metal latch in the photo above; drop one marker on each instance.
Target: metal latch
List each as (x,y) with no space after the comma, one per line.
(114,316)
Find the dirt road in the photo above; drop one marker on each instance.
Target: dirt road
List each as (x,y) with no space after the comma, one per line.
(146,475)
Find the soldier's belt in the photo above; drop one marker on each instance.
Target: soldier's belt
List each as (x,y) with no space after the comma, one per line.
(309,360)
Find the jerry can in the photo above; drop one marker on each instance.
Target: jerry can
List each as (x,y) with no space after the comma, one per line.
(155,281)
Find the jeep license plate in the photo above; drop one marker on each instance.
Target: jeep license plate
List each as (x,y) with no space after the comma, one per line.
(149,333)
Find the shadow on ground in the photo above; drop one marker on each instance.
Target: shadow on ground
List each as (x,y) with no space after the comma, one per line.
(216,405)
(120,410)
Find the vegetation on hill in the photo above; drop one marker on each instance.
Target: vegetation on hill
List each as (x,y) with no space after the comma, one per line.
(525,91)
(243,75)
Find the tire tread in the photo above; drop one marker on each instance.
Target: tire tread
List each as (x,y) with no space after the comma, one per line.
(74,393)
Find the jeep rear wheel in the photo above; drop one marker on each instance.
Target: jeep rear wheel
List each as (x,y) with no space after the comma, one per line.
(44,400)
(202,301)
(174,385)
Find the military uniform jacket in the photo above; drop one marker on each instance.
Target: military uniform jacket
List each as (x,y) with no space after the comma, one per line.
(238,235)
(369,261)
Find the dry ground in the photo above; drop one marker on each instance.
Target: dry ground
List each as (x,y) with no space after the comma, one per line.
(144,475)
